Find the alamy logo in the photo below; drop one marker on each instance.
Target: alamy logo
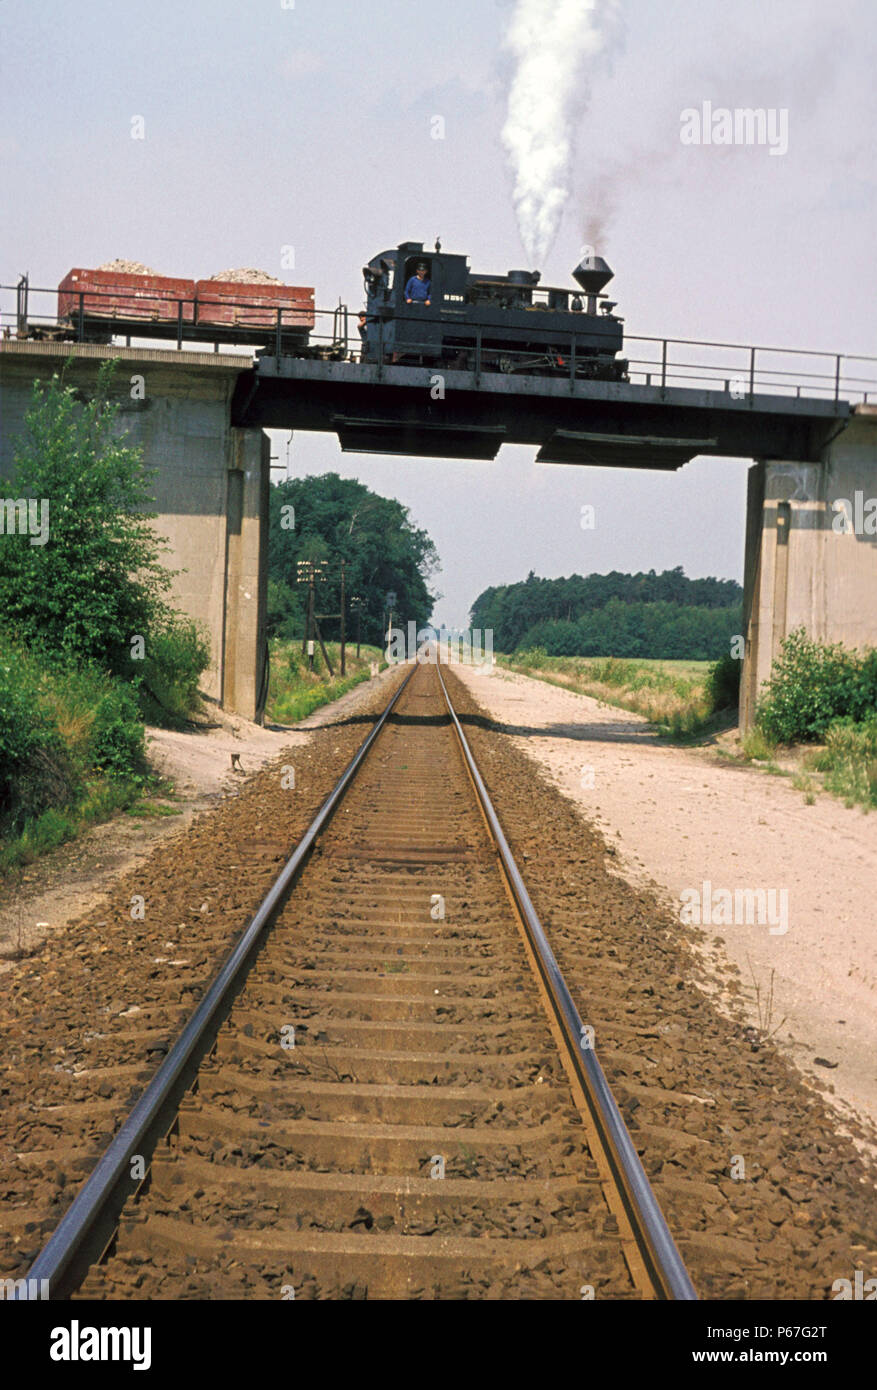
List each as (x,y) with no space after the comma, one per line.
(854,516)
(25,1290)
(743,125)
(428,645)
(25,516)
(75,1343)
(741,907)
(858,1288)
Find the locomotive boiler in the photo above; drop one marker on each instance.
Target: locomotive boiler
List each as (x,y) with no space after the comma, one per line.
(497,323)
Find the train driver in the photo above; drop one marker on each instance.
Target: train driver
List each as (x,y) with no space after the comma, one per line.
(418,287)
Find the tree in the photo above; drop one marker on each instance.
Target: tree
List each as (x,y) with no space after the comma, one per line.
(97,582)
(334,518)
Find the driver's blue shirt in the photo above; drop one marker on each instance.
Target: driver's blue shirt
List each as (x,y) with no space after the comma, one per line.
(417,289)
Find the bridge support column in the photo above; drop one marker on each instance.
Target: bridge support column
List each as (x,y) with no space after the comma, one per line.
(246,573)
(806,566)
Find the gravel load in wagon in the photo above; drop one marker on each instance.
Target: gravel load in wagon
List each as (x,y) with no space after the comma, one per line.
(251,299)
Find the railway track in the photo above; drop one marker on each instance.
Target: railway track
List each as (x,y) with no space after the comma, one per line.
(388,1090)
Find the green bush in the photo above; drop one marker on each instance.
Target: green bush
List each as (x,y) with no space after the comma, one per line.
(63,731)
(723,683)
(296,705)
(36,770)
(97,581)
(530,657)
(116,744)
(812,685)
(177,654)
(611,670)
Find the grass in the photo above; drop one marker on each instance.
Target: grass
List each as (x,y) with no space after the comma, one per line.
(757,748)
(71,751)
(672,695)
(294,691)
(56,825)
(845,766)
(848,762)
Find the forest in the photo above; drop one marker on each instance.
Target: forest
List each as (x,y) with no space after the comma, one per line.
(666,615)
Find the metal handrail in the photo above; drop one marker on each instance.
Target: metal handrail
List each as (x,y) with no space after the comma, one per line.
(669,362)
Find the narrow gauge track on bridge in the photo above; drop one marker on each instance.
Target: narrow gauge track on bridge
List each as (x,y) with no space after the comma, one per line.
(385,1092)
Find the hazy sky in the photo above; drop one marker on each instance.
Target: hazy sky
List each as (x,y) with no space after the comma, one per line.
(310,126)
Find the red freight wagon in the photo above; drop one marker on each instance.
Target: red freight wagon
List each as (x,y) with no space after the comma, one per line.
(115,294)
(242,305)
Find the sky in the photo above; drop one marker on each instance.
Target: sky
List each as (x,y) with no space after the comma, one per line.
(268,125)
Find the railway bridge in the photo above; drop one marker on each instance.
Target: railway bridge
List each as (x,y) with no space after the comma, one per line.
(807,420)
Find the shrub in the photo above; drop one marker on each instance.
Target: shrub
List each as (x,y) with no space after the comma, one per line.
(532,656)
(36,770)
(849,761)
(723,683)
(97,580)
(758,748)
(813,684)
(177,654)
(117,744)
(62,729)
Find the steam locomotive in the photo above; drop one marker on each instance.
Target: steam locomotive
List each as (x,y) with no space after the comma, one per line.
(496,323)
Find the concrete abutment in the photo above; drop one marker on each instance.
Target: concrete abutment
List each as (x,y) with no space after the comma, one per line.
(210,487)
(811,552)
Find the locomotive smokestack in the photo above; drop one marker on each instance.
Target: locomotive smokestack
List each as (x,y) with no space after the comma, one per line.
(592,273)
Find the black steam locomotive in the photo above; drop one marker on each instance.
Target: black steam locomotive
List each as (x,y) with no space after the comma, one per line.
(428,308)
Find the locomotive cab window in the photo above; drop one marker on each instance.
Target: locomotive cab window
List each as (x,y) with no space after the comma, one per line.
(412,265)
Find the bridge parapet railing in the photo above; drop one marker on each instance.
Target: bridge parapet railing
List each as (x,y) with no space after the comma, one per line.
(739,371)
(229,321)
(743,371)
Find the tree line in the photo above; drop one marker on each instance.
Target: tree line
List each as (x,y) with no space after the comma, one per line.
(664,615)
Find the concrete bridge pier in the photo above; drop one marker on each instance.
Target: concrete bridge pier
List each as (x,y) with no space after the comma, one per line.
(244,660)
(811,551)
(210,486)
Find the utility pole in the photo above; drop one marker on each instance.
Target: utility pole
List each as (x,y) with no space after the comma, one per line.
(391,604)
(311,617)
(356,607)
(343,634)
(304,574)
(309,572)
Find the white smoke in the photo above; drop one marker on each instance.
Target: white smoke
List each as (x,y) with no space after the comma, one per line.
(551,43)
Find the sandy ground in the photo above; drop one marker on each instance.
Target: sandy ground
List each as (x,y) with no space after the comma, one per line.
(60,886)
(680,817)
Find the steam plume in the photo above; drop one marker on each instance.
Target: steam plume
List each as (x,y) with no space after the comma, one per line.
(551,43)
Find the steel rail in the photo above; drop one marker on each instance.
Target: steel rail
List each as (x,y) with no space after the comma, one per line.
(650,1228)
(88,1225)
(81,1235)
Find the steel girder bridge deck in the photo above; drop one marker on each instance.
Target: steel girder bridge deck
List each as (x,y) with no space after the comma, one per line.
(674,412)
